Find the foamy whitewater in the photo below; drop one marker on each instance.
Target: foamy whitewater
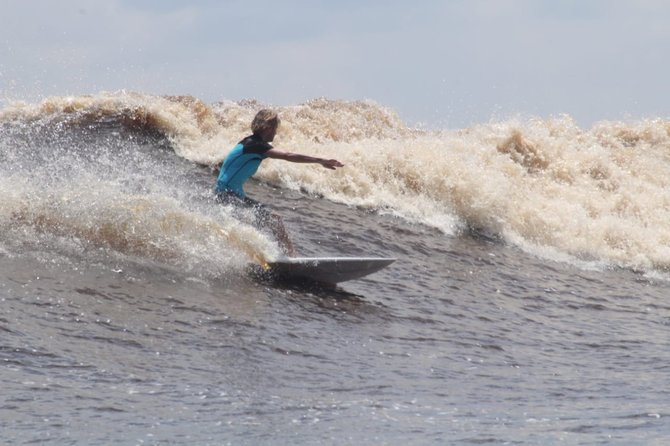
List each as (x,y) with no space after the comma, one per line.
(528,303)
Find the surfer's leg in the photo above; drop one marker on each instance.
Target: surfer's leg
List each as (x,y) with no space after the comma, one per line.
(268,219)
(272,221)
(279,230)
(264,218)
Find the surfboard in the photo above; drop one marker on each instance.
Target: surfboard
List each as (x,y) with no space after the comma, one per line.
(327,270)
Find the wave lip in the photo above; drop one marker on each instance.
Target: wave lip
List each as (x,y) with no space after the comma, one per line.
(595,195)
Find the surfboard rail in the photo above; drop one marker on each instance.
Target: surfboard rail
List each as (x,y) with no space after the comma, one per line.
(328,270)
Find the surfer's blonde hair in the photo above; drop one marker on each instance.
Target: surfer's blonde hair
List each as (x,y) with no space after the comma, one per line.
(264,119)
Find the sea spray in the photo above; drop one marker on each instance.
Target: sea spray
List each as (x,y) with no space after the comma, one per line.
(75,194)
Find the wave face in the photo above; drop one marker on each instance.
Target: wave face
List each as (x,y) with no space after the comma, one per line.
(102,169)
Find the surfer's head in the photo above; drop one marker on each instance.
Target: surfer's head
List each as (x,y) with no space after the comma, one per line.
(265,124)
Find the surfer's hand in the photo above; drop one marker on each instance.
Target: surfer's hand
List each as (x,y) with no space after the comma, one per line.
(331,164)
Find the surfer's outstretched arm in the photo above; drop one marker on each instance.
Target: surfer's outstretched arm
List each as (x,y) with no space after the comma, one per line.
(300,158)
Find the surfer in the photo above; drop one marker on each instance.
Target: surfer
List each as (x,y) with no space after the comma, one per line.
(243,161)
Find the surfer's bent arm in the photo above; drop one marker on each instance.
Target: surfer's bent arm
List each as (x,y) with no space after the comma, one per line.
(299,158)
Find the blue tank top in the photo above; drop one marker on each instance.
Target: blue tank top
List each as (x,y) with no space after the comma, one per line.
(240,164)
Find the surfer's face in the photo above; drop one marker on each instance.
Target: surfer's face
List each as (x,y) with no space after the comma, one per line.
(269,133)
